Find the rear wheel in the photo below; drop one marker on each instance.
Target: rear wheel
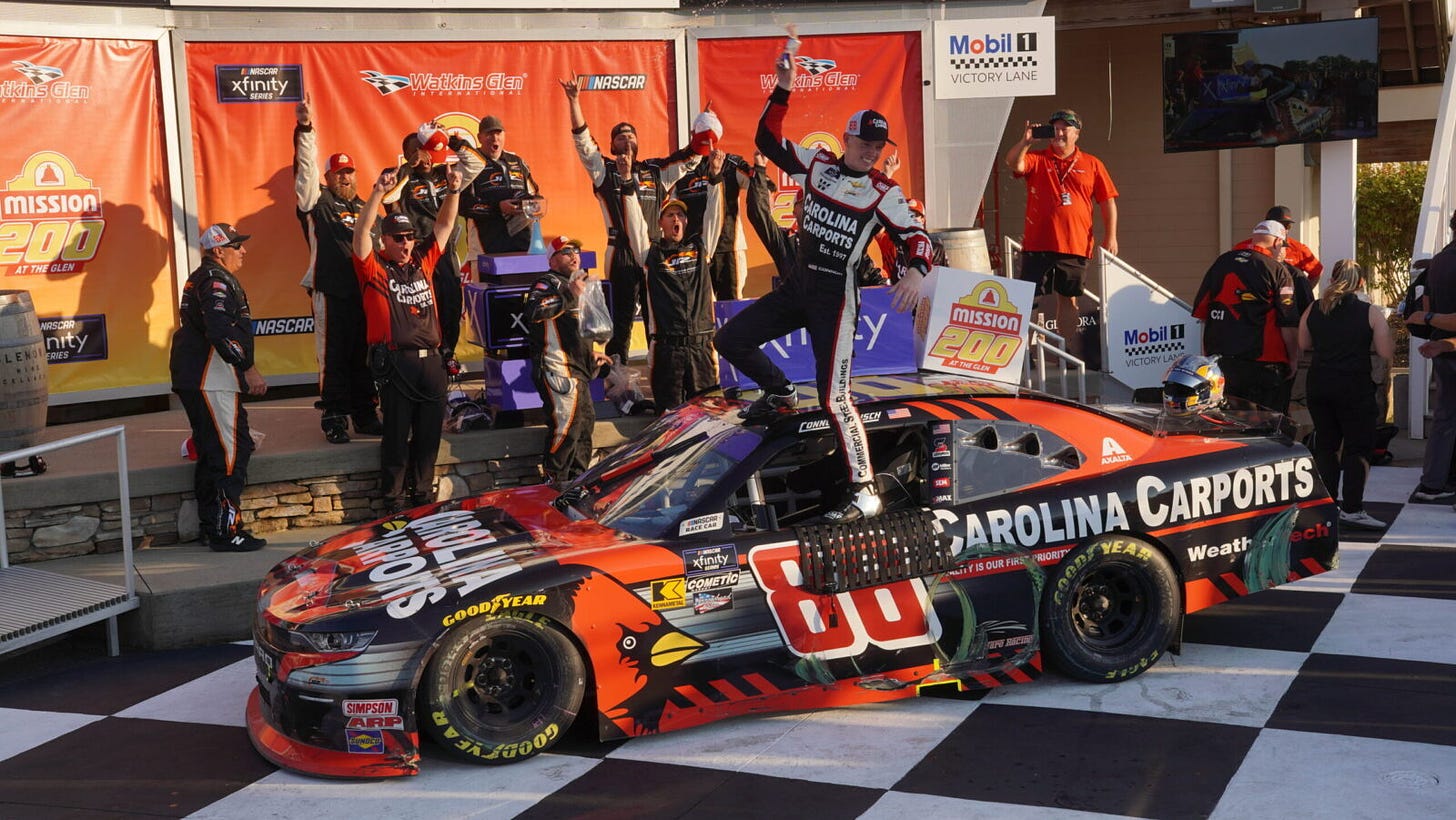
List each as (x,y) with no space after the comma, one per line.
(1112,610)
(503,689)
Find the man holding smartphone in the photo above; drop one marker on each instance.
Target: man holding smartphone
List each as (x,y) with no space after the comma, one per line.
(1062,182)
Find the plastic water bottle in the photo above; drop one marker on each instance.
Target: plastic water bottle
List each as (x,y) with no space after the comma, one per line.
(791,47)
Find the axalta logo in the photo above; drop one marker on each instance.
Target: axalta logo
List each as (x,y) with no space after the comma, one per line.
(52,215)
(1112,452)
(41,83)
(612,82)
(815,73)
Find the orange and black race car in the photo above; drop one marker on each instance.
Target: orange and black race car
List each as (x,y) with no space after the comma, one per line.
(687,576)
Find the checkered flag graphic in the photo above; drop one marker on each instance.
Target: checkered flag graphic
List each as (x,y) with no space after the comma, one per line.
(38,74)
(814,66)
(1160,347)
(385,84)
(964,63)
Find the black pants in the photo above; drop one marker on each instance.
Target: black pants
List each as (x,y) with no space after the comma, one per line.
(828,308)
(1262,383)
(723,273)
(412,397)
(570,420)
(449,299)
(1342,406)
(224,446)
(681,367)
(629,290)
(346,387)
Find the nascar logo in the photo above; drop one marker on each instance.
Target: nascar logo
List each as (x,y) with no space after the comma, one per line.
(612,82)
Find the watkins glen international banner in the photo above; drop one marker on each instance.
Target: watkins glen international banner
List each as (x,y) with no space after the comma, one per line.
(84,208)
(366,97)
(838,75)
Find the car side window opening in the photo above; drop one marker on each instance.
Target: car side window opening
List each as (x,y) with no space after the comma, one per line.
(796,485)
(995,456)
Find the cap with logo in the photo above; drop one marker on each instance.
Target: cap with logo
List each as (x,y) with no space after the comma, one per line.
(339,162)
(1281,213)
(673,203)
(491,122)
(869,125)
(623,128)
(435,141)
(222,234)
(396,225)
(1067,116)
(562,243)
(1270,228)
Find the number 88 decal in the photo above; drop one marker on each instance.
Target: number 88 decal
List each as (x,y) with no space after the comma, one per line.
(893,616)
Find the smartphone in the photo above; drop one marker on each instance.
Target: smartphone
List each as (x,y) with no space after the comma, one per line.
(1043,132)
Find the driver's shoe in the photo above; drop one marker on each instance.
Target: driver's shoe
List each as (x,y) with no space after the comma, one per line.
(861,502)
(770,404)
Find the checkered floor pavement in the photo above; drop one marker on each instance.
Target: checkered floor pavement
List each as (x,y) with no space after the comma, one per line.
(1331,697)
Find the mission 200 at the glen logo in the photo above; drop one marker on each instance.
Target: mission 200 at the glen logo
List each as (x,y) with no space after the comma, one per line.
(689,577)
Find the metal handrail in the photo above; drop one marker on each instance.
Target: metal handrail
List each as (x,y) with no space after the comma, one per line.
(56,590)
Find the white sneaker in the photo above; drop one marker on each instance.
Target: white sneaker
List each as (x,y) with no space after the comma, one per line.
(862,502)
(1361,520)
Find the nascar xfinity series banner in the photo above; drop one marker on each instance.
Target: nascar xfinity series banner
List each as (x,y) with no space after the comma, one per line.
(838,75)
(84,207)
(366,98)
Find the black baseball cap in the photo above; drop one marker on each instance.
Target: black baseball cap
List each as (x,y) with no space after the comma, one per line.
(396,224)
(869,125)
(623,128)
(1281,213)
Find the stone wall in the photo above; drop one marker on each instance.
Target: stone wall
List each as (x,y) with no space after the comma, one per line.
(41,533)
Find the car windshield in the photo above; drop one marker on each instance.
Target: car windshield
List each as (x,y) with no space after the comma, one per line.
(646,485)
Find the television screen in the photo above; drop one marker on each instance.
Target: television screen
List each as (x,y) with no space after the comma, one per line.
(1273,85)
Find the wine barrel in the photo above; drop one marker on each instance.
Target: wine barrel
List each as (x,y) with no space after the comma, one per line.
(965,248)
(24,391)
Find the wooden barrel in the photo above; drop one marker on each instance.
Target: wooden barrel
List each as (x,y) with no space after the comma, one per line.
(965,248)
(23,388)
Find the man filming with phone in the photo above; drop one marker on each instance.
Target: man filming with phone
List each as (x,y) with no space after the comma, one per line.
(1062,182)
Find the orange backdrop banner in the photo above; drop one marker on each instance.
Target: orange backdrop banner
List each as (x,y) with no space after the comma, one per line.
(838,75)
(366,97)
(85,212)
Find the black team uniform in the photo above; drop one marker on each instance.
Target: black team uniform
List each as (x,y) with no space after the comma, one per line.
(561,369)
(651,178)
(1245,299)
(506,178)
(680,300)
(843,209)
(346,389)
(210,352)
(404,339)
(693,190)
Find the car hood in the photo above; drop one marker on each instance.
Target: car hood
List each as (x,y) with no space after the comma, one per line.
(429,554)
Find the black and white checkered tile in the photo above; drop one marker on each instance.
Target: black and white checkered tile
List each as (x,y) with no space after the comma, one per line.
(1332,697)
(965,63)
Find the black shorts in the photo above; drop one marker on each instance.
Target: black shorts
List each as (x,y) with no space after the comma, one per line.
(1053,272)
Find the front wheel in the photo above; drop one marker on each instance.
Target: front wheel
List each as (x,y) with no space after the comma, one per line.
(1112,610)
(503,689)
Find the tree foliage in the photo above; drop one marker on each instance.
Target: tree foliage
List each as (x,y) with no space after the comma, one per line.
(1387,205)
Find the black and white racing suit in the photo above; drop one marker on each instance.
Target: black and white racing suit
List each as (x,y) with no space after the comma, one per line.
(843,209)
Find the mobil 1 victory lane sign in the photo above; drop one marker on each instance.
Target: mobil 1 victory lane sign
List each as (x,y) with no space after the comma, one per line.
(1004,57)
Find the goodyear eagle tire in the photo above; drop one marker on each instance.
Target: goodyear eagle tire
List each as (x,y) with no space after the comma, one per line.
(502,689)
(1111,610)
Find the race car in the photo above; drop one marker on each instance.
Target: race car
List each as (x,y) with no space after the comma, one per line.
(689,577)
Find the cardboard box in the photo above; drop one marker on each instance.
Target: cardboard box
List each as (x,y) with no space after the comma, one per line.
(973,324)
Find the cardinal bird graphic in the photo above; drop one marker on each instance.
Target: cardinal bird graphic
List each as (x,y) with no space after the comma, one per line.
(639,672)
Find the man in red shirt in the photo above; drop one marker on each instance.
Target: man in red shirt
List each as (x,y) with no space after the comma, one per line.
(1062,183)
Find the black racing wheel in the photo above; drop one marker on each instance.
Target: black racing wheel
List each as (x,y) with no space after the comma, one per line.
(502,689)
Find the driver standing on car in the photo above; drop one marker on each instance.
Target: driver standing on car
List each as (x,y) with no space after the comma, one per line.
(845,202)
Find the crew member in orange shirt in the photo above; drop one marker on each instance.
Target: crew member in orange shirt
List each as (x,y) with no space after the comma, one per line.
(1062,183)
